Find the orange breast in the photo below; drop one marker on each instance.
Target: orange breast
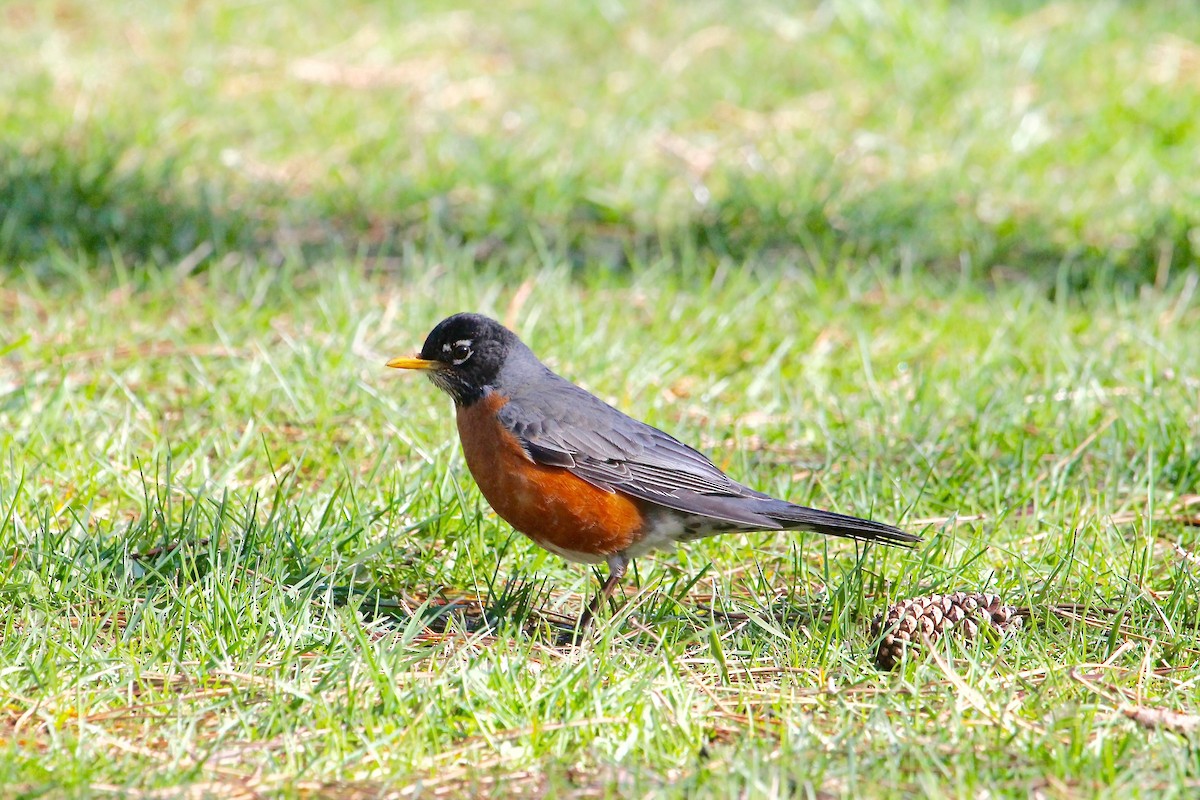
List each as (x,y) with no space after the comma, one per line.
(559,511)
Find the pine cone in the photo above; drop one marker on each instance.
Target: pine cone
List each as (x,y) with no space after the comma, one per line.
(910,622)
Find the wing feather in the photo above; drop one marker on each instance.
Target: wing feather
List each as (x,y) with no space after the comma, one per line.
(614,452)
(562,425)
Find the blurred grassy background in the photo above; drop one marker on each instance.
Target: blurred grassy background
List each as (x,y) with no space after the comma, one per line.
(992,138)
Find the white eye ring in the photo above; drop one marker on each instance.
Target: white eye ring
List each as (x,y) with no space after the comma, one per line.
(461,350)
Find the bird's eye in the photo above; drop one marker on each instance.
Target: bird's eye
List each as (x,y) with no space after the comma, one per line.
(460,353)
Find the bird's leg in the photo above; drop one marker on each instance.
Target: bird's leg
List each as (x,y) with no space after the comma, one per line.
(617,563)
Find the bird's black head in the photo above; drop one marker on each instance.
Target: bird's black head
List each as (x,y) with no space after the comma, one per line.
(463,355)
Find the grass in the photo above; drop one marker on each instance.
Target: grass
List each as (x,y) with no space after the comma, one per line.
(315,563)
(934,264)
(1004,138)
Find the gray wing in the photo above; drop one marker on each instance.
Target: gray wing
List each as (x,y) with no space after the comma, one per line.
(565,426)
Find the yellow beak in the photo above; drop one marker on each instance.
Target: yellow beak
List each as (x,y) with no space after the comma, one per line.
(405,362)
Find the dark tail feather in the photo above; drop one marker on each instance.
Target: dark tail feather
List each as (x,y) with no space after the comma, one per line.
(829,523)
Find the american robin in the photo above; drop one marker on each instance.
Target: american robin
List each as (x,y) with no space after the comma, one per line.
(580,478)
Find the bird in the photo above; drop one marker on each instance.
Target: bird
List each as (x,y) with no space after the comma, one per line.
(584,480)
